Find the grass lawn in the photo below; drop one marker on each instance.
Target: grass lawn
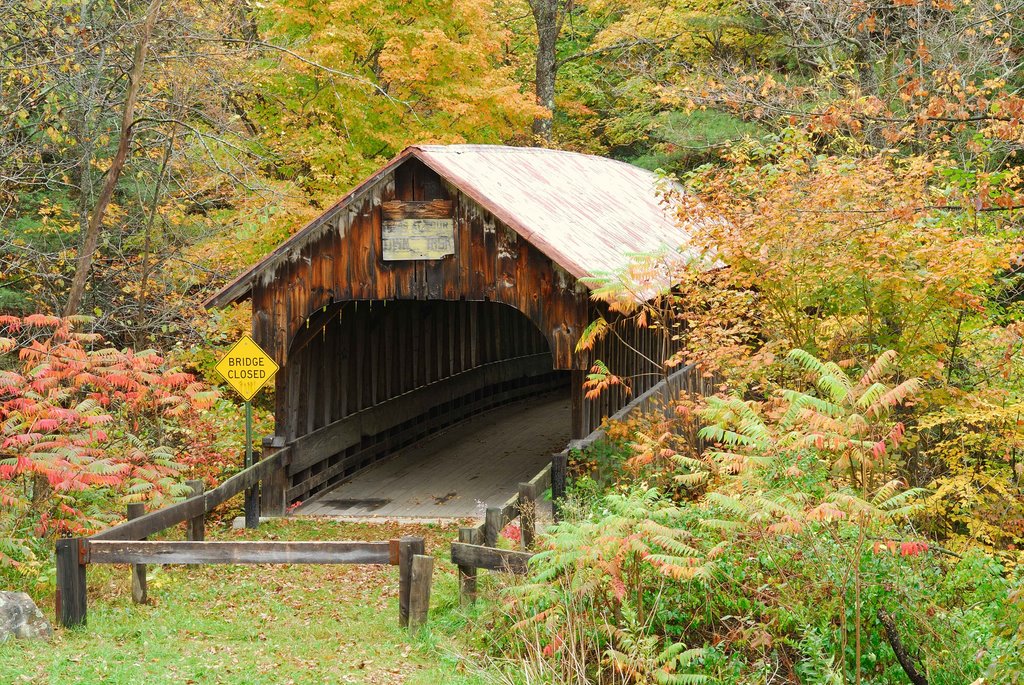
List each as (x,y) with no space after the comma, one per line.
(260,624)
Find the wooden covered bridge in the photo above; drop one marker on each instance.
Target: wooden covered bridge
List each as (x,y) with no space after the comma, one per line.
(452,281)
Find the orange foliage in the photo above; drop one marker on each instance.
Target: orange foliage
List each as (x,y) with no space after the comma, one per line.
(81,424)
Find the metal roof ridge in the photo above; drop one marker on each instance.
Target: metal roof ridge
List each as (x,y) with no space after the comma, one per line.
(524,149)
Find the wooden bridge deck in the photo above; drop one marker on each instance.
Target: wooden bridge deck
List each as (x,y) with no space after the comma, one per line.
(458,472)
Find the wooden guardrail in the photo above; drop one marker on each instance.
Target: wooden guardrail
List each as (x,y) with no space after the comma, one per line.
(199,504)
(465,555)
(477,546)
(125,544)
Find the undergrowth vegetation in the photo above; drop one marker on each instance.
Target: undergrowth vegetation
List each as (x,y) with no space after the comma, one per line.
(847,507)
(791,559)
(86,428)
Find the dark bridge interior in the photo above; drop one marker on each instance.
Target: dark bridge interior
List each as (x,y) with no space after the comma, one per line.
(371,377)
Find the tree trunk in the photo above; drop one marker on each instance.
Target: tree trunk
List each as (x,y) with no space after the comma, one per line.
(246,21)
(93,230)
(546,15)
(147,244)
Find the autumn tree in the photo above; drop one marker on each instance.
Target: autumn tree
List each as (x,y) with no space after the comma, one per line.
(356,83)
(125,133)
(601,70)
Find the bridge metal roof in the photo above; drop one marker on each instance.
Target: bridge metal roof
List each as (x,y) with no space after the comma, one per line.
(588,214)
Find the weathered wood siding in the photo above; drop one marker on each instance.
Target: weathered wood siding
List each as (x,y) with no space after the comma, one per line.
(343,262)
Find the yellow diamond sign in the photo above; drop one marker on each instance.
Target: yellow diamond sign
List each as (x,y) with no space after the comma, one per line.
(247,368)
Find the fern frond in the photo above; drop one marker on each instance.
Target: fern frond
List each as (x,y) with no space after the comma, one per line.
(871,395)
(836,385)
(730,504)
(893,499)
(807,361)
(896,396)
(592,334)
(879,368)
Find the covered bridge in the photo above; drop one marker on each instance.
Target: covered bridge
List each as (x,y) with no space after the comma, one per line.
(450,281)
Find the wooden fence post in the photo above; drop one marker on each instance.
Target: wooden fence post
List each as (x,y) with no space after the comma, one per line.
(527,514)
(251,500)
(70,600)
(408,547)
(422,573)
(139,594)
(272,489)
(559,467)
(492,526)
(195,528)
(467,574)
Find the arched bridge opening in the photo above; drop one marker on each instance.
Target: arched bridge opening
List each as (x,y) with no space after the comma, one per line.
(366,379)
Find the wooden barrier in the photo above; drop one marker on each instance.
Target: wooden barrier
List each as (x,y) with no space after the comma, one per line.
(559,482)
(255,552)
(527,505)
(196,506)
(408,548)
(74,556)
(196,527)
(421,573)
(127,544)
(494,521)
(70,599)
(479,556)
(139,587)
(467,572)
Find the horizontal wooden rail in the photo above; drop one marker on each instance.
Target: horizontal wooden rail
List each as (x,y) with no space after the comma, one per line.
(329,552)
(542,481)
(478,556)
(662,393)
(196,506)
(74,555)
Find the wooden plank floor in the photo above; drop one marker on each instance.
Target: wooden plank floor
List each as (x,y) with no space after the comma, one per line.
(458,472)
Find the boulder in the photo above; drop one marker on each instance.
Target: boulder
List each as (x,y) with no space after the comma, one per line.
(21,618)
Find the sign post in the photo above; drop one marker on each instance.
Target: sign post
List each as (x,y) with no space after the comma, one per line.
(247,368)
